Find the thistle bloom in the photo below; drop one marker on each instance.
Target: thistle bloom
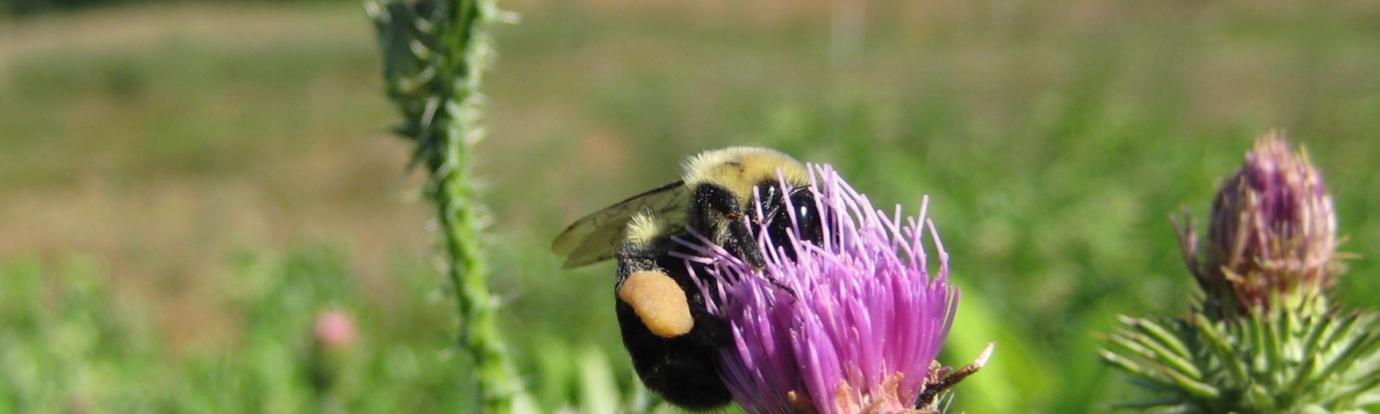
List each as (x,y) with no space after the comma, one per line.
(1273,231)
(850,325)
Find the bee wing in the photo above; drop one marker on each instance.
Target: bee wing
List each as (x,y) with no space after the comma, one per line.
(595,237)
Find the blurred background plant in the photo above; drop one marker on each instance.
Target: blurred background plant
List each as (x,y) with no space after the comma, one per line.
(214,175)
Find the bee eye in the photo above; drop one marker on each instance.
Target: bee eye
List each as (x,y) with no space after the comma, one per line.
(806,218)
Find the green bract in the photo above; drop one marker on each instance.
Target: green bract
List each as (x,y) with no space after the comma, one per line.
(1302,359)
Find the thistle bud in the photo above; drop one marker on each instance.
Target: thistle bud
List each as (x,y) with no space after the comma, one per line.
(1273,232)
(1265,340)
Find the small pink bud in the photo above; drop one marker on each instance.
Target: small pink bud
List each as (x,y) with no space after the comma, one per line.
(335,330)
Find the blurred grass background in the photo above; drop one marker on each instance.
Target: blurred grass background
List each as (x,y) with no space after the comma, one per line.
(183,186)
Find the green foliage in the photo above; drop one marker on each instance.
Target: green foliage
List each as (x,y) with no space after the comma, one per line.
(1308,359)
(68,345)
(72,346)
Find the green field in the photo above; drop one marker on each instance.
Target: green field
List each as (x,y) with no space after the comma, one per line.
(183,187)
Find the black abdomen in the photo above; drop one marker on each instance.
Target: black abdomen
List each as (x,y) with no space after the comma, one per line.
(684,371)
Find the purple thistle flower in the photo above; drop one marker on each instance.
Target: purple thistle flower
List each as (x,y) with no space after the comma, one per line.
(852,324)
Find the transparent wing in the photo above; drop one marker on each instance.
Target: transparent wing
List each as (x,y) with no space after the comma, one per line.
(595,237)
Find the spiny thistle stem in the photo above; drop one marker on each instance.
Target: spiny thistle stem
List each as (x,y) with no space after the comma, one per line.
(435,53)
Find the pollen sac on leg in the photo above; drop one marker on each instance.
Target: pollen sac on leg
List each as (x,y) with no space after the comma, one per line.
(659,302)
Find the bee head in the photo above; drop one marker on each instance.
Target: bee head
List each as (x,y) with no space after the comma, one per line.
(735,224)
(727,182)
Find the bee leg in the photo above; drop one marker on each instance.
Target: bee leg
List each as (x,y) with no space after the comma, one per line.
(742,243)
(717,210)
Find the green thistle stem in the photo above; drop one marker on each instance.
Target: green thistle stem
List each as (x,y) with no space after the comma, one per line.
(435,53)
(468,272)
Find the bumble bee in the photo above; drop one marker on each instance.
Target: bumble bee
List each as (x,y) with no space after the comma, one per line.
(673,340)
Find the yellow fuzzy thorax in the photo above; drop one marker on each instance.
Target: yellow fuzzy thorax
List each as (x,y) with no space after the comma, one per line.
(739,169)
